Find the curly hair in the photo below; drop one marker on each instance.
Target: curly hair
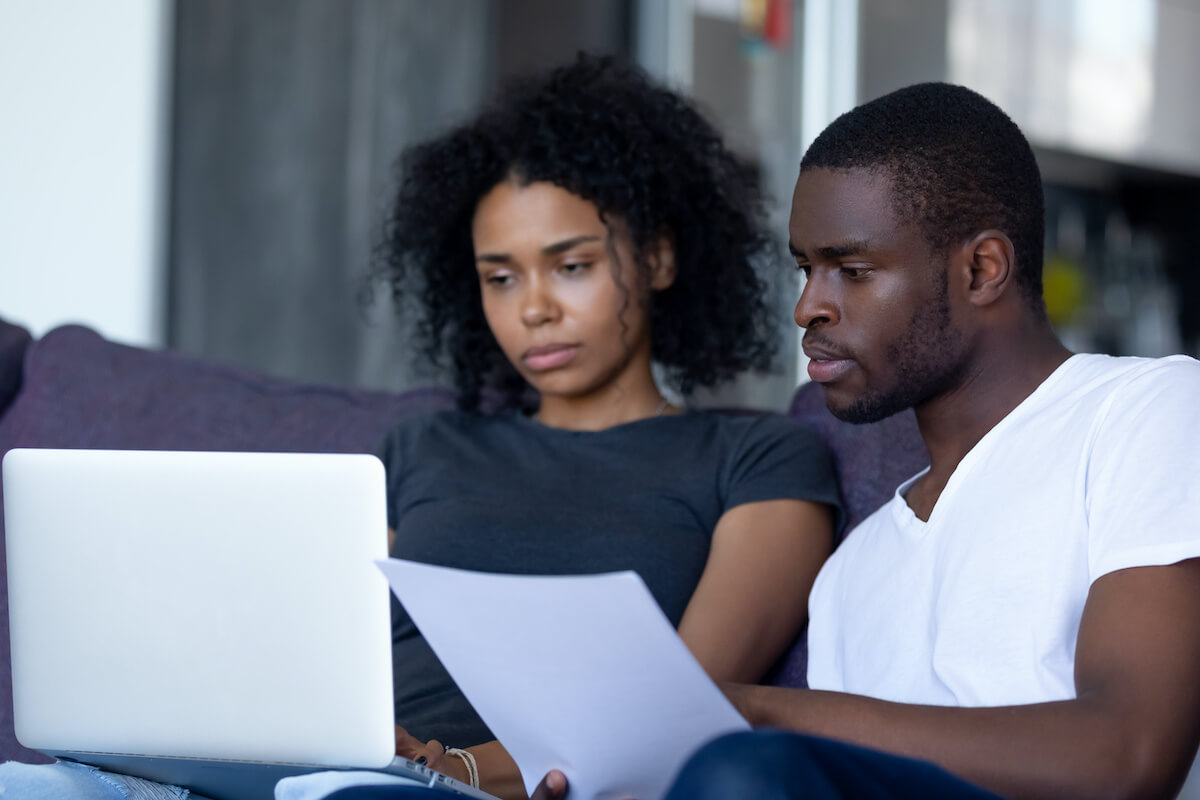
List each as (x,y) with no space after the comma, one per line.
(602,130)
(957,163)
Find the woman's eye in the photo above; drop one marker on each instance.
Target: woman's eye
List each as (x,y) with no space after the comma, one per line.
(574,266)
(499,279)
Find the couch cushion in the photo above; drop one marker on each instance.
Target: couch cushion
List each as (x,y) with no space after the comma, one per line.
(81,390)
(871,461)
(14,340)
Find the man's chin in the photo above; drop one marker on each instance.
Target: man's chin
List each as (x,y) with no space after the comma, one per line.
(860,409)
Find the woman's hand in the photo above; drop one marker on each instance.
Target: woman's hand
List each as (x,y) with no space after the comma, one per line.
(498,773)
(432,754)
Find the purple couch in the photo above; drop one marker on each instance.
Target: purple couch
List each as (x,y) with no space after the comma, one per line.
(72,388)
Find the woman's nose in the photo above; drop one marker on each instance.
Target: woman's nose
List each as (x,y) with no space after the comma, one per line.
(538,305)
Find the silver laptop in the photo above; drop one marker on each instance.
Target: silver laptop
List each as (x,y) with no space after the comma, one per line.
(211,620)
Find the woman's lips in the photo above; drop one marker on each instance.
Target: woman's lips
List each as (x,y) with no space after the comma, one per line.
(547,357)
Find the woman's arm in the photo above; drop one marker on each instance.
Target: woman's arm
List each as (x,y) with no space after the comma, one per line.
(752,598)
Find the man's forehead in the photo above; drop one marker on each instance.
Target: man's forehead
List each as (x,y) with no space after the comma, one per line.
(841,203)
(865,183)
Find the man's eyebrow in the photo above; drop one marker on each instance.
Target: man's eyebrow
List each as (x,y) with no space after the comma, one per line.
(550,249)
(832,251)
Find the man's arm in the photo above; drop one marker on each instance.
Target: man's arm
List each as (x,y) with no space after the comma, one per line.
(1131,731)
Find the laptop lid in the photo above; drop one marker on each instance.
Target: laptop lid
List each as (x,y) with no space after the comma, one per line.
(205,606)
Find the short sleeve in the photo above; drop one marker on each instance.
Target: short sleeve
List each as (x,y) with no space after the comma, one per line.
(1143,470)
(779,459)
(397,452)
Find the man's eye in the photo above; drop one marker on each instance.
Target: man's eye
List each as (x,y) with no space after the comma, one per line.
(855,273)
(805,268)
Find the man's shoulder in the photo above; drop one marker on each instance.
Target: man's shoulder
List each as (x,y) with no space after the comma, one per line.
(1094,381)
(1103,371)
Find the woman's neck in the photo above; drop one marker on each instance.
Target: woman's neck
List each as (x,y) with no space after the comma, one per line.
(594,412)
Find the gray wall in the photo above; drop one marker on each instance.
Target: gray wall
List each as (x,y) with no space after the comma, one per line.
(288,115)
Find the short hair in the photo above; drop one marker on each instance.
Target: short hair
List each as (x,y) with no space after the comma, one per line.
(958,165)
(603,130)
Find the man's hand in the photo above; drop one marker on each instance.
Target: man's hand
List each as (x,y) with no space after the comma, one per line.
(552,787)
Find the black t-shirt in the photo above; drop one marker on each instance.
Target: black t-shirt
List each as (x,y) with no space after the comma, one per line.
(507,494)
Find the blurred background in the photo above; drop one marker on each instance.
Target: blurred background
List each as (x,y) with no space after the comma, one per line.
(209,175)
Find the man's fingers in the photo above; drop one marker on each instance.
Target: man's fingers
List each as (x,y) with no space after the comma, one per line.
(552,787)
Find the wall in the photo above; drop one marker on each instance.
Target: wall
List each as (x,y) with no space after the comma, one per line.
(81,153)
(288,117)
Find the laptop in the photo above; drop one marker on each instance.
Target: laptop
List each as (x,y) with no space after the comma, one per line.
(210,620)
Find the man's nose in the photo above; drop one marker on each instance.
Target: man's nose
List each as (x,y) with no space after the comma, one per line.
(817,304)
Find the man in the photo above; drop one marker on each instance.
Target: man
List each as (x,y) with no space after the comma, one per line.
(1023,618)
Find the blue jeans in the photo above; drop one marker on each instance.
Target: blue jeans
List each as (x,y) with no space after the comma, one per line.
(761,765)
(776,765)
(756,765)
(64,780)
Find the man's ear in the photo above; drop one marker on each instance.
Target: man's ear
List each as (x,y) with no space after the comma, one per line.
(660,257)
(991,264)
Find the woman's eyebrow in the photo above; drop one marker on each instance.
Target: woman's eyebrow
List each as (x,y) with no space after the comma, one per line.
(493,258)
(550,249)
(567,244)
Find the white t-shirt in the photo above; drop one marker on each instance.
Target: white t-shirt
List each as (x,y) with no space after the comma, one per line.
(1097,470)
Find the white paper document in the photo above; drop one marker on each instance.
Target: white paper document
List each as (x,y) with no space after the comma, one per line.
(579,673)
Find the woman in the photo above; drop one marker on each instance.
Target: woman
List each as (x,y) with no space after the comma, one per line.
(585,226)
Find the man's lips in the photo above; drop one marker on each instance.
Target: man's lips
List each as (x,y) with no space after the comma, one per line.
(825,364)
(548,356)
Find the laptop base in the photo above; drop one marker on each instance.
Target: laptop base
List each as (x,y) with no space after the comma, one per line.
(237,780)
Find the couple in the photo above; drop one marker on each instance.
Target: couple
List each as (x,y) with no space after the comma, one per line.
(1023,618)
(1020,620)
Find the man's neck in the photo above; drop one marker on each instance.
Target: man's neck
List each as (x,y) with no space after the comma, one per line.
(998,380)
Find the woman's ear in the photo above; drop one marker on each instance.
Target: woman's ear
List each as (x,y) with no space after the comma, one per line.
(660,257)
(991,262)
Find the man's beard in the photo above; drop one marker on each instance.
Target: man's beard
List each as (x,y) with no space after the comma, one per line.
(926,360)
